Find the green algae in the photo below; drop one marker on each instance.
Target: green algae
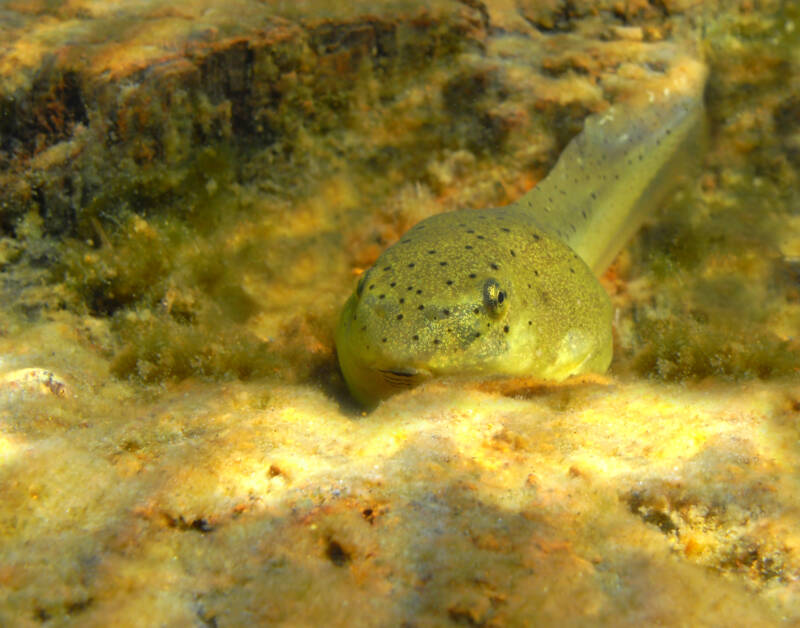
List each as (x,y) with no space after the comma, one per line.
(724,295)
(170,283)
(152,184)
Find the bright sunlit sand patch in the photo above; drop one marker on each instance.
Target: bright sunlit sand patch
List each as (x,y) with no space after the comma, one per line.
(10,447)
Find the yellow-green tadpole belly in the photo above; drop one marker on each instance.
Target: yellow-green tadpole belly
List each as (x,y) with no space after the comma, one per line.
(514,290)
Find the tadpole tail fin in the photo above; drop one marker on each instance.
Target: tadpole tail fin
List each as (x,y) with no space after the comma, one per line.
(618,170)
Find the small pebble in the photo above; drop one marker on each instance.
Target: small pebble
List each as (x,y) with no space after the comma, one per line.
(33,381)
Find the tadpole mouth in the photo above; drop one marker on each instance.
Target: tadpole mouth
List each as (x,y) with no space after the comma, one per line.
(404,378)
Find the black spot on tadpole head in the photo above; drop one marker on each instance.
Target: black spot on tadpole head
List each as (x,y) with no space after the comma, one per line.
(337,554)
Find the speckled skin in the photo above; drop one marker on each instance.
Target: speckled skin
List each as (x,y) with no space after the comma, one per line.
(512,291)
(426,305)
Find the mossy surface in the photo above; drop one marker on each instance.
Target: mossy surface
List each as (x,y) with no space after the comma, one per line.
(184,205)
(720,262)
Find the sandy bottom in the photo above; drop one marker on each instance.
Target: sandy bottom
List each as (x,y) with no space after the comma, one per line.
(618,503)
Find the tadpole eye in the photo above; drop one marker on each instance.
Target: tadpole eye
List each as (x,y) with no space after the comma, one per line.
(494,298)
